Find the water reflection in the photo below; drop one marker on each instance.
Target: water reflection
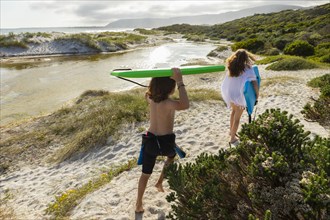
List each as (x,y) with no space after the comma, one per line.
(45,84)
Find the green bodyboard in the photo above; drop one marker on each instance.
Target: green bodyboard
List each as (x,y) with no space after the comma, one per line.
(143,73)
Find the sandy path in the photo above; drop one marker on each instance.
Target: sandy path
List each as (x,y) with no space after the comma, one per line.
(202,128)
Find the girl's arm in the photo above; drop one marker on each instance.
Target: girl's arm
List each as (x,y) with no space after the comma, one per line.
(256,88)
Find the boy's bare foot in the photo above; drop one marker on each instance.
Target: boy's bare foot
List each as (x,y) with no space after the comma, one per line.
(159,187)
(139,208)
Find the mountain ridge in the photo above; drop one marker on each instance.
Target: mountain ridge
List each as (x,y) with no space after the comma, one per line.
(203,19)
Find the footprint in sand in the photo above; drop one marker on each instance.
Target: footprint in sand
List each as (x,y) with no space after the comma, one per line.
(118,147)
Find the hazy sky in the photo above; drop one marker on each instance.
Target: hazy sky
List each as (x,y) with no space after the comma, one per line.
(66,13)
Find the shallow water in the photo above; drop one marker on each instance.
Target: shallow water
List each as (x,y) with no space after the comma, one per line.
(42,87)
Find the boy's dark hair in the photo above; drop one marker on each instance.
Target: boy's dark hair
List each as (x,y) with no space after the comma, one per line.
(160,88)
(239,61)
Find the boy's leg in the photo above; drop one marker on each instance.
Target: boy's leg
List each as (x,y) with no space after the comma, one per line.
(141,188)
(159,184)
(237,113)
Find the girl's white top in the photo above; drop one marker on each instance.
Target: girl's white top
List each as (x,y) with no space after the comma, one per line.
(232,87)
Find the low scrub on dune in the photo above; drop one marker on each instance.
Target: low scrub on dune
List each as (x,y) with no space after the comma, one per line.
(277,172)
(292,63)
(320,110)
(76,129)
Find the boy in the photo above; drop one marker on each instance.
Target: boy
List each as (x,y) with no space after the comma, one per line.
(160,139)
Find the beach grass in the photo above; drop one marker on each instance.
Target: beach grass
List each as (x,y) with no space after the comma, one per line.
(291,63)
(6,211)
(278,80)
(82,126)
(67,201)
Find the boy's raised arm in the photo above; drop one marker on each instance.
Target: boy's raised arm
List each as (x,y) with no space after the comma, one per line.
(183,102)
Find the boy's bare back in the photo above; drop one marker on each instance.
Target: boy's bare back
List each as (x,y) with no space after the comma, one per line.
(162,113)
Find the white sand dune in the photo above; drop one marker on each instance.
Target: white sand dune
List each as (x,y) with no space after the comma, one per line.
(202,128)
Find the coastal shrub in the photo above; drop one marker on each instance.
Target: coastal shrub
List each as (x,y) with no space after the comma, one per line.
(322,53)
(280,43)
(254,45)
(277,172)
(272,52)
(216,51)
(319,81)
(299,48)
(292,63)
(325,58)
(271,59)
(146,32)
(320,110)
(194,37)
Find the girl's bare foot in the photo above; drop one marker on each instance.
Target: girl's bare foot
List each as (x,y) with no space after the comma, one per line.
(159,187)
(139,208)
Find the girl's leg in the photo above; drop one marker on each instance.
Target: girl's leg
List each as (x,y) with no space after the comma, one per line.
(232,116)
(141,188)
(237,112)
(159,184)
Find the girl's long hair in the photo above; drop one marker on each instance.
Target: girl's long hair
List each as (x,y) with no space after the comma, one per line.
(160,88)
(238,61)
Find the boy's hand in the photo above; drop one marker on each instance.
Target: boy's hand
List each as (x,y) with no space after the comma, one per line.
(177,76)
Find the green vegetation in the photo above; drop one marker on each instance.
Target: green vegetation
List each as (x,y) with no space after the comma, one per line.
(299,48)
(67,201)
(270,33)
(320,110)
(6,212)
(10,41)
(272,59)
(292,63)
(87,124)
(21,40)
(276,172)
(286,62)
(278,80)
(119,39)
(96,41)
(146,32)
(194,37)
(253,45)
(217,50)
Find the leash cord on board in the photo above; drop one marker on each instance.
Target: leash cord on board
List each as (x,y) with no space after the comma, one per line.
(132,81)
(128,79)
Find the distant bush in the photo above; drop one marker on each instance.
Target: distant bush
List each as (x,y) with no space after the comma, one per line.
(145,31)
(194,37)
(271,59)
(320,81)
(276,172)
(217,50)
(299,48)
(281,43)
(320,110)
(325,58)
(322,53)
(272,52)
(292,63)
(11,41)
(253,45)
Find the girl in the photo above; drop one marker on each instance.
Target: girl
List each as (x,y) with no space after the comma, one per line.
(160,139)
(240,71)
